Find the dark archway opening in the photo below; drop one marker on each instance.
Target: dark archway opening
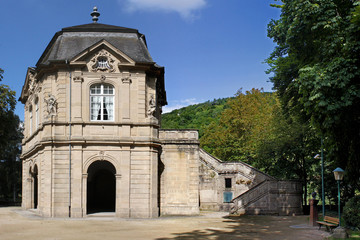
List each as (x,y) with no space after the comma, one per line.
(161,168)
(36,182)
(101,187)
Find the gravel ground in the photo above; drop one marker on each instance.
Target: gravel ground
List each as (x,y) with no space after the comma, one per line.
(25,225)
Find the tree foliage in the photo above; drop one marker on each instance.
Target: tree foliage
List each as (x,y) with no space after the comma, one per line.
(316,73)
(351,212)
(11,135)
(197,116)
(242,126)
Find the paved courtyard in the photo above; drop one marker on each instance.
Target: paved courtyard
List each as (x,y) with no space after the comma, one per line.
(18,224)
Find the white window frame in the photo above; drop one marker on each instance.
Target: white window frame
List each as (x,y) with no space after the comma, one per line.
(102,97)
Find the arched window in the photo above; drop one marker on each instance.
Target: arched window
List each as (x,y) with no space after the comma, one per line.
(30,120)
(102,102)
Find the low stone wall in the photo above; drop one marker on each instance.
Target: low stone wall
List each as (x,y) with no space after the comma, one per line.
(270,197)
(179,174)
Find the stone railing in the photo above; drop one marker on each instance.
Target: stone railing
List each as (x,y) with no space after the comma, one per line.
(241,202)
(270,197)
(232,167)
(179,136)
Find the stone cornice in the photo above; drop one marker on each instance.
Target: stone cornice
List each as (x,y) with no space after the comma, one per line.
(61,141)
(89,123)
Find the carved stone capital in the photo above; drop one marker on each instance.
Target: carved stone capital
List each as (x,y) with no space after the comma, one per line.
(78,79)
(126,80)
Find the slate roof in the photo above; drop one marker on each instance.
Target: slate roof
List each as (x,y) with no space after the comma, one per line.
(71,41)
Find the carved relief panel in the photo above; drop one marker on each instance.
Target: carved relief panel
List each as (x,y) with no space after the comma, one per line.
(103,61)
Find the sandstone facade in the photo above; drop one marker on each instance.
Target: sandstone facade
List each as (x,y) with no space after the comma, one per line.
(92,139)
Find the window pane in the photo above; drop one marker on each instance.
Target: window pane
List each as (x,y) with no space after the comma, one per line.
(95,104)
(106,89)
(95,89)
(102,105)
(110,107)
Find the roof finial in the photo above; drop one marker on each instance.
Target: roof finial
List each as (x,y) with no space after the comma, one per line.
(95,14)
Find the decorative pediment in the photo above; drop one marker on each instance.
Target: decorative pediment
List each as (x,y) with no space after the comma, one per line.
(103,57)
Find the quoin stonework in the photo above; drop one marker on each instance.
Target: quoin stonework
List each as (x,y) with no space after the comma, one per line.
(93,141)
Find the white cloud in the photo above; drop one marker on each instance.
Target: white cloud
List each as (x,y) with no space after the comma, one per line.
(185,8)
(176,104)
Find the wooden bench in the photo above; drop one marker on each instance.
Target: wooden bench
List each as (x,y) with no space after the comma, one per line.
(329,222)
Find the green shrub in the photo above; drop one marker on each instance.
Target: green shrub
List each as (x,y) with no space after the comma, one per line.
(351,212)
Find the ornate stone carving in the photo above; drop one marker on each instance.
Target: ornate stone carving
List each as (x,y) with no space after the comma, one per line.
(51,105)
(102,78)
(32,81)
(103,62)
(101,155)
(152,106)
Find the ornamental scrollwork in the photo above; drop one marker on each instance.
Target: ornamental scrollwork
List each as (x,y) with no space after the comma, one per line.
(103,62)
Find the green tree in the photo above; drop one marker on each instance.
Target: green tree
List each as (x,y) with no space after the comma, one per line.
(10,145)
(243,126)
(288,152)
(316,73)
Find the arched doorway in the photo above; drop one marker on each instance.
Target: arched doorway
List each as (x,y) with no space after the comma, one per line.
(101,187)
(35,186)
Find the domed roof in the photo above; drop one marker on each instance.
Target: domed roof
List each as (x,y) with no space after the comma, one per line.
(70,41)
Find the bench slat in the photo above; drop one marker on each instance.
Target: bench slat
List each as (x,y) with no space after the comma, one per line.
(331,220)
(327,224)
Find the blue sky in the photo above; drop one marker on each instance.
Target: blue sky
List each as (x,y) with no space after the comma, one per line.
(210,48)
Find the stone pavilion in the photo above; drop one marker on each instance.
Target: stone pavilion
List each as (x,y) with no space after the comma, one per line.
(93,140)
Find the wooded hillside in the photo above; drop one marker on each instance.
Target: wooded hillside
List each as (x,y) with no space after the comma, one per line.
(197,116)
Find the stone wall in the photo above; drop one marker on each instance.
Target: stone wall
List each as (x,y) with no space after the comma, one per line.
(179,174)
(270,197)
(220,181)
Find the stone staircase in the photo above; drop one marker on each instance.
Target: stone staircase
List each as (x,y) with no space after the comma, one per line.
(270,197)
(254,192)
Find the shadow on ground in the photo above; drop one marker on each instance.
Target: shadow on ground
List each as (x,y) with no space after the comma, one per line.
(254,227)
